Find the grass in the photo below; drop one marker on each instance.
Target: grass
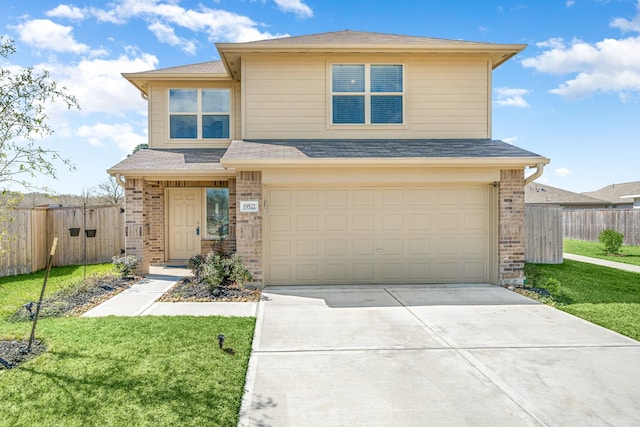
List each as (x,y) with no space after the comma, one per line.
(18,290)
(629,254)
(605,296)
(114,371)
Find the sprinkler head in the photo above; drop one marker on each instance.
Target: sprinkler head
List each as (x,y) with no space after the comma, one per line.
(221,338)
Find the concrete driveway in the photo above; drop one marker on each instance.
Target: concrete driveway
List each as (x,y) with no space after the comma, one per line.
(464,355)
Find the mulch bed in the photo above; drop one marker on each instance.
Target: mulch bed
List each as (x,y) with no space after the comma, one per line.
(12,353)
(78,299)
(192,291)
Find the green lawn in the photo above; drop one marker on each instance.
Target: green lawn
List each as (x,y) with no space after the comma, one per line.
(606,296)
(18,290)
(115,371)
(630,254)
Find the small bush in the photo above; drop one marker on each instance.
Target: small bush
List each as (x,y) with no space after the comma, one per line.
(611,240)
(217,270)
(125,265)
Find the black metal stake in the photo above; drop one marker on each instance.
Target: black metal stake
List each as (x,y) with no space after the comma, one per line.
(44,285)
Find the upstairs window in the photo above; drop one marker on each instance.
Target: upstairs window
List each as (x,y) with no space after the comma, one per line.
(199,113)
(367,93)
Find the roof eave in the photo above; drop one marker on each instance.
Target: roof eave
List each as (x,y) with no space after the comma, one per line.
(434,162)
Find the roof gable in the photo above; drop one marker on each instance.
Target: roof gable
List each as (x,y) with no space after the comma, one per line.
(614,192)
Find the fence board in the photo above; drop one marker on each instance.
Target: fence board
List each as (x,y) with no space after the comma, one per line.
(32,232)
(543,231)
(587,224)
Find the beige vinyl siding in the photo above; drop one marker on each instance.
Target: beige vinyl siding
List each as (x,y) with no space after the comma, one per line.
(289,97)
(159,114)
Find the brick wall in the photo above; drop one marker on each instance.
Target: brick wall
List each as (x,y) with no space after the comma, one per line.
(511,236)
(249,225)
(154,212)
(135,222)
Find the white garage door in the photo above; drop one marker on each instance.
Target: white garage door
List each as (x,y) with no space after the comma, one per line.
(377,235)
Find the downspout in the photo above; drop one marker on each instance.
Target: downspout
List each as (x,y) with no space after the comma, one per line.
(533,176)
(119,180)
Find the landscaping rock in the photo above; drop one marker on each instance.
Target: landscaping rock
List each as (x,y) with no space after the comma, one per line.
(12,353)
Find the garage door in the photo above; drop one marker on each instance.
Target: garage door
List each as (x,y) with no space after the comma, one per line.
(376,235)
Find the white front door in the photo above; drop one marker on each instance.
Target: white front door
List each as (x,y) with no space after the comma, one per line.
(184,222)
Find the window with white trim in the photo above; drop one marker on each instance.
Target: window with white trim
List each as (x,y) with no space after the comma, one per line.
(217,208)
(199,113)
(367,94)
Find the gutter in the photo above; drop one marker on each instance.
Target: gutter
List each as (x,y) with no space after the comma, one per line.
(535,175)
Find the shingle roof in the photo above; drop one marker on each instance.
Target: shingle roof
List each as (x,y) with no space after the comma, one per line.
(178,160)
(613,192)
(211,67)
(368,148)
(545,194)
(360,38)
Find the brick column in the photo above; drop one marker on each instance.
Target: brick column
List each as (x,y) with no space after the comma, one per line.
(135,221)
(511,228)
(248,224)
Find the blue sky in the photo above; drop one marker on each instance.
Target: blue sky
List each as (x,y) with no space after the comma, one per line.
(573,95)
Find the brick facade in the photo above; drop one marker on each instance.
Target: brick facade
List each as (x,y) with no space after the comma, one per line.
(511,228)
(249,225)
(145,227)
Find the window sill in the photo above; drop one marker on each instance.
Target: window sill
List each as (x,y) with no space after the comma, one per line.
(374,126)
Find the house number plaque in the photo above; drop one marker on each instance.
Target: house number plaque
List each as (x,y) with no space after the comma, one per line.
(249,206)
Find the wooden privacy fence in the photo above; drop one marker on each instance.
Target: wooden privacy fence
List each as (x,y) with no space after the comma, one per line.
(543,234)
(26,246)
(587,224)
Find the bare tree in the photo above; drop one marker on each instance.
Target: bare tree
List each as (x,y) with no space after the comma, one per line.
(111,191)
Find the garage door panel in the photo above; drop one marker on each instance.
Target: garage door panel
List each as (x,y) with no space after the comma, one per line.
(376,235)
(336,247)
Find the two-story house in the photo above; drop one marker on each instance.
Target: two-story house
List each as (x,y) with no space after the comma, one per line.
(335,158)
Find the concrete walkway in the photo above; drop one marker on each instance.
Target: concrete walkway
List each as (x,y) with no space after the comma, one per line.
(436,355)
(603,262)
(140,300)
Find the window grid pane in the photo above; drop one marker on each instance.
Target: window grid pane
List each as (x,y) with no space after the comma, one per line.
(386,109)
(348,78)
(217,212)
(348,109)
(386,78)
(215,100)
(183,100)
(215,126)
(183,126)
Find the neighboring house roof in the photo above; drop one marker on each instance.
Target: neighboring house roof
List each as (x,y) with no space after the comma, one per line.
(212,70)
(372,151)
(614,192)
(168,162)
(535,194)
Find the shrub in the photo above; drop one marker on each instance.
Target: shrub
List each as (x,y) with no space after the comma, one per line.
(196,264)
(125,265)
(611,240)
(217,270)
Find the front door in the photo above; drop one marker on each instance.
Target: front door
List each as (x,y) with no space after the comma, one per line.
(184,222)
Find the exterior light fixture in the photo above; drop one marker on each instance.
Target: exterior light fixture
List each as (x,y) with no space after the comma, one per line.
(221,338)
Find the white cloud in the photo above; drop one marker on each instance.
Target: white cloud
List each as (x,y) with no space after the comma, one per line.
(69,12)
(99,86)
(219,25)
(166,34)
(44,34)
(510,97)
(510,140)
(628,25)
(562,172)
(570,3)
(607,66)
(295,6)
(120,135)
